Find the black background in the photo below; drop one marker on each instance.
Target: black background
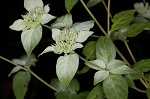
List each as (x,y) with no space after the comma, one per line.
(11,47)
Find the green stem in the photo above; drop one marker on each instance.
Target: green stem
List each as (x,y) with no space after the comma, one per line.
(106,8)
(36,76)
(108,19)
(28,69)
(130,52)
(144,1)
(143,82)
(142,91)
(93,17)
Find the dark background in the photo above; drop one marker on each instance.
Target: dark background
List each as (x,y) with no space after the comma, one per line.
(11,47)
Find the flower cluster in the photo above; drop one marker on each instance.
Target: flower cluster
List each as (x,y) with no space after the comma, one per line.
(70,36)
(37,14)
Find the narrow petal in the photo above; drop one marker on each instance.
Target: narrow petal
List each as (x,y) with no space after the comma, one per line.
(55,33)
(17,25)
(84,26)
(48,49)
(63,21)
(31,4)
(46,18)
(83,36)
(77,45)
(46,8)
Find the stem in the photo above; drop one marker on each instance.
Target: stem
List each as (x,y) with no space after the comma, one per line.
(96,21)
(130,52)
(36,76)
(143,91)
(144,1)
(108,19)
(28,69)
(106,8)
(143,82)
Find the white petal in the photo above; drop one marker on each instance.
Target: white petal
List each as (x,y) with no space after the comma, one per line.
(77,45)
(55,33)
(48,49)
(31,4)
(63,21)
(84,26)
(83,36)
(17,25)
(46,8)
(46,18)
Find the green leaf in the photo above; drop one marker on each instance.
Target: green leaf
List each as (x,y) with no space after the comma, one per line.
(83,95)
(92,3)
(100,76)
(84,70)
(20,84)
(96,64)
(69,4)
(66,68)
(97,92)
(121,34)
(72,88)
(115,87)
(130,82)
(122,19)
(31,38)
(90,50)
(143,64)
(115,64)
(122,70)
(148,93)
(15,69)
(65,95)
(105,49)
(137,28)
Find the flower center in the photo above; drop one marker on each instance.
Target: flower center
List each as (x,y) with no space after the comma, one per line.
(65,41)
(32,18)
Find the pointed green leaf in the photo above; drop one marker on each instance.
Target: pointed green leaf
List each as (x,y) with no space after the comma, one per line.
(100,76)
(72,88)
(92,3)
(96,64)
(90,50)
(66,68)
(122,70)
(130,82)
(97,92)
(105,49)
(69,4)
(31,38)
(20,84)
(15,69)
(143,64)
(84,70)
(137,28)
(65,95)
(148,93)
(115,87)
(115,64)
(83,95)
(122,19)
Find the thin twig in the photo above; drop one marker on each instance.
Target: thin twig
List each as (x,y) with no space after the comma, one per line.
(27,69)
(130,52)
(96,21)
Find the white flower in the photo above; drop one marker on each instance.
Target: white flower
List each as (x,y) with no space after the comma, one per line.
(70,36)
(37,14)
(143,10)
